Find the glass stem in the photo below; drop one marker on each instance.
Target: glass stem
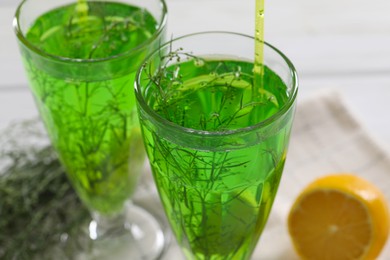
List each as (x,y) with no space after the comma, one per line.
(103,226)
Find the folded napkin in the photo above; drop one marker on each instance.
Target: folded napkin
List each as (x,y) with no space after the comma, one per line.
(325,139)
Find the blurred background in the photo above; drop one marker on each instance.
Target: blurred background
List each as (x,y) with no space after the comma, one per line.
(336,44)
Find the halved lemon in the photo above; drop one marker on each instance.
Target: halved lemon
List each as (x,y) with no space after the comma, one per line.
(339,216)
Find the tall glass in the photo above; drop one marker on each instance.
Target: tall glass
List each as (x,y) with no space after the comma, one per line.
(81,58)
(216,143)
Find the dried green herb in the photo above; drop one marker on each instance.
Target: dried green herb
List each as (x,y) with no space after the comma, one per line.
(41,217)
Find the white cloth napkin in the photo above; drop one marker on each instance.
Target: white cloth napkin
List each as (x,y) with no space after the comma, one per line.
(326,139)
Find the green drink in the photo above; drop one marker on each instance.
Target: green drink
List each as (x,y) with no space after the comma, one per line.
(221,199)
(81,58)
(91,121)
(217,153)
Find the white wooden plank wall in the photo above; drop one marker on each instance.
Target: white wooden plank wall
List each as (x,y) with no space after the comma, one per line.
(335,44)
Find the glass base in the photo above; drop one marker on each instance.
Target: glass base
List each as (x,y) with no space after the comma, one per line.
(141,237)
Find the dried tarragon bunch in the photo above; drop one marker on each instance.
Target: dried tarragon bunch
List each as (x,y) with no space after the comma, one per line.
(40,214)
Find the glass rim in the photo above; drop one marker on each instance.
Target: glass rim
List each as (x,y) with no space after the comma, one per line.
(16,25)
(155,116)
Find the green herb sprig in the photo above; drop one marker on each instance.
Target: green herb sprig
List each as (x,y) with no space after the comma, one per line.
(164,73)
(40,214)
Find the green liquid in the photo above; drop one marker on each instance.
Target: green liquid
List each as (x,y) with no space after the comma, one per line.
(217,200)
(89,109)
(100,30)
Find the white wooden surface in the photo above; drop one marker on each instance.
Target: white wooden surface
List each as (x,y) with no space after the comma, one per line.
(342,45)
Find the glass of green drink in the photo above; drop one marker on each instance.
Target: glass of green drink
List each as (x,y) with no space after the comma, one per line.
(216,143)
(81,58)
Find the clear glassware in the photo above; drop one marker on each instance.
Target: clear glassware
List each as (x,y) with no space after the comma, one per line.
(81,59)
(216,143)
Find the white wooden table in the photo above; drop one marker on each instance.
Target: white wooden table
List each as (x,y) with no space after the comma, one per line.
(336,44)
